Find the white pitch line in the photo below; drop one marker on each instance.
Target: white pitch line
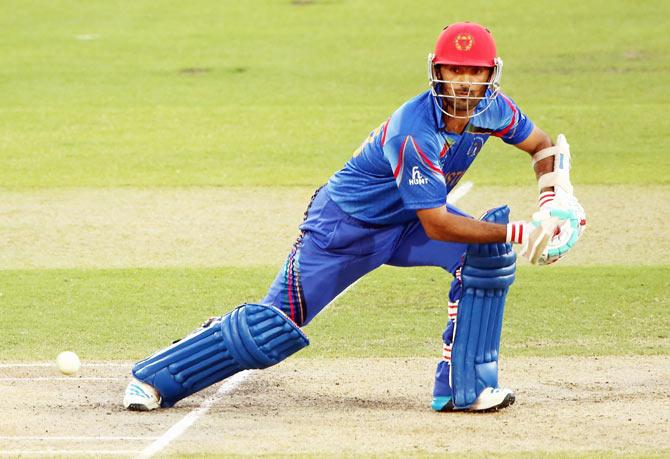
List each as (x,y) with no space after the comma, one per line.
(53,364)
(187,421)
(26,365)
(64,378)
(73,438)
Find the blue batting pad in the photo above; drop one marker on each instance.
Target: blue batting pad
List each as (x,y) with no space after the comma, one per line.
(487,273)
(251,336)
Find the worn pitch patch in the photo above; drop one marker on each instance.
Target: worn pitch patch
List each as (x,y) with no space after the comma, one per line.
(211,227)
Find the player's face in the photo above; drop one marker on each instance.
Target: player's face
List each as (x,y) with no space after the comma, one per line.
(466,86)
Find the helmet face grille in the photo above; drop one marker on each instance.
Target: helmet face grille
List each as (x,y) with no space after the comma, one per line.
(445,100)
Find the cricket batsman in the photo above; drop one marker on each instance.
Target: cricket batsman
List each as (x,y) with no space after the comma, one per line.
(388,205)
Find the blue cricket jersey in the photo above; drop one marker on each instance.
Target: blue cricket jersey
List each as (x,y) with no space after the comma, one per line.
(411,162)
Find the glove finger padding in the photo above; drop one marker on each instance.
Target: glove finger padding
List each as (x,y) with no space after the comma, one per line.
(562,200)
(568,232)
(536,242)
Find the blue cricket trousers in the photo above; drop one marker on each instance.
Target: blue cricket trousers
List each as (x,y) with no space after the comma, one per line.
(335,249)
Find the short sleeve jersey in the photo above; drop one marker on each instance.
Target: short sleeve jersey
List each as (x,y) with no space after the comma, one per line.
(411,162)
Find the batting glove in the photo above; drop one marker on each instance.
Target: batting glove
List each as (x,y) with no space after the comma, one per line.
(550,200)
(533,236)
(566,208)
(548,237)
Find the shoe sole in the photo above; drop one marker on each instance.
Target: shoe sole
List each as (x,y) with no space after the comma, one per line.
(507,401)
(137,407)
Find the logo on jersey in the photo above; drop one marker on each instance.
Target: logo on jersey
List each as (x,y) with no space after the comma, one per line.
(477,144)
(417,178)
(452,178)
(464,42)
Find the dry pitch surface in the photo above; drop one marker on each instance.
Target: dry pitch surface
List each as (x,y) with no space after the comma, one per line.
(349,407)
(325,406)
(108,228)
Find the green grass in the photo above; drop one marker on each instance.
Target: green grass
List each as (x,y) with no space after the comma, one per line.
(112,314)
(269,93)
(282,94)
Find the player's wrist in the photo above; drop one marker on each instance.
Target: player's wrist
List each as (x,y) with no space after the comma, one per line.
(546,198)
(516,232)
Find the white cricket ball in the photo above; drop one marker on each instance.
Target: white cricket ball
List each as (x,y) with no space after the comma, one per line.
(68,362)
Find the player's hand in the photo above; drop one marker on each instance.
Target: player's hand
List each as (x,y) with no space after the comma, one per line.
(561,200)
(565,237)
(570,212)
(548,237)
(533,236)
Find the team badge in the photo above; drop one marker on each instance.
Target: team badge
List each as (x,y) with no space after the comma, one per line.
(475,147)
(464,42)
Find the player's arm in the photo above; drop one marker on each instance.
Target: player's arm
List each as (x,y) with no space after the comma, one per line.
(414,160)
(439,224)
(518,130)
(537,141)
(551,163)
(534,236)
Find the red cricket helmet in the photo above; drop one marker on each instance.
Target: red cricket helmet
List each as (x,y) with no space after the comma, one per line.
(471,44)
(465,43)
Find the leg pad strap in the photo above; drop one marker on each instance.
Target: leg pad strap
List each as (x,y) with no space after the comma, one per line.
(251,336)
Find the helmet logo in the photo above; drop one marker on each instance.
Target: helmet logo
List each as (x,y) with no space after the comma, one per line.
(464,42)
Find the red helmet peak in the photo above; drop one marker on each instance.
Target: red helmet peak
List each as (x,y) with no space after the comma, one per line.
(465,43)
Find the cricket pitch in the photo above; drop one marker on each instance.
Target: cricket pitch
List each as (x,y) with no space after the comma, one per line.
(352,406)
